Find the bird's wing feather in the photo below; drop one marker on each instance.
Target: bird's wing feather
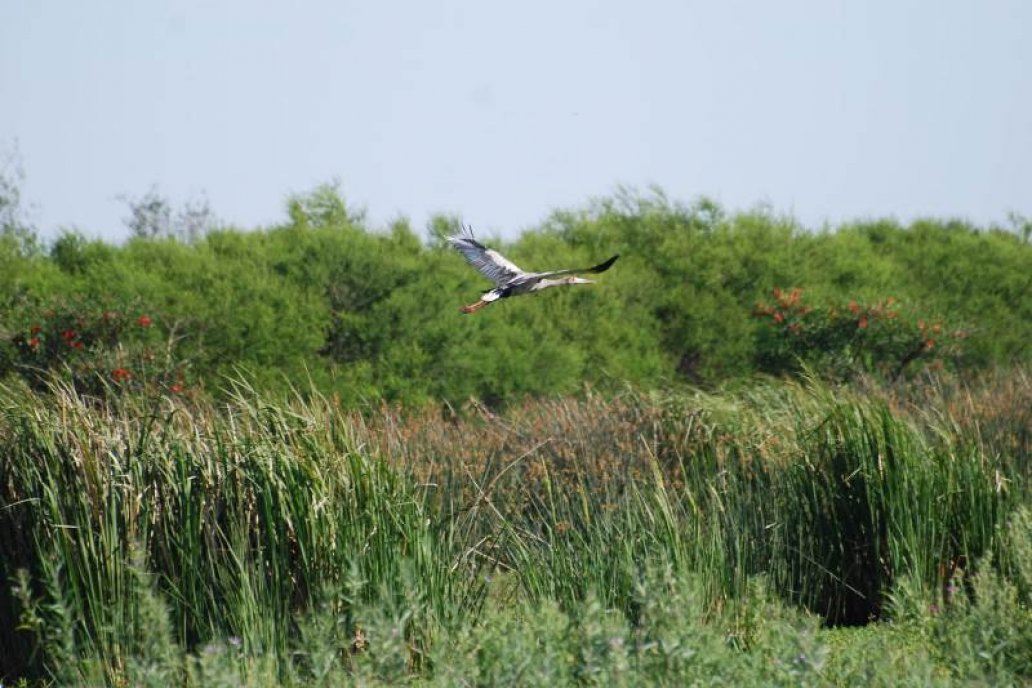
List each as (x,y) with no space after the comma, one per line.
(489,262)
(601,267)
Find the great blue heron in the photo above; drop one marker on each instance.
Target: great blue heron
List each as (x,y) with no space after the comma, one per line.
(509,279)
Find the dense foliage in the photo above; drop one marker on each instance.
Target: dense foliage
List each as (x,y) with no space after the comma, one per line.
(699,296)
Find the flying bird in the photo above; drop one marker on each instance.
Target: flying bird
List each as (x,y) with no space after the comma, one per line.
(510,279)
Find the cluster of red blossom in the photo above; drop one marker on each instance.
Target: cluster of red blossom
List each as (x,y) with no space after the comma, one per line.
(124,374)
(865,334)
(34,336)
(787,308)
(927,331)
(73,339)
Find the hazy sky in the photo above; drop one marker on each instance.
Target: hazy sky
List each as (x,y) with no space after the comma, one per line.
(501,112)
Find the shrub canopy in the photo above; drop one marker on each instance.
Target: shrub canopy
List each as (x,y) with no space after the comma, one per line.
(370,314)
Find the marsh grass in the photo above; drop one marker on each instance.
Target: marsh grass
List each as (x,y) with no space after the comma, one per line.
(244,515)
(603,539)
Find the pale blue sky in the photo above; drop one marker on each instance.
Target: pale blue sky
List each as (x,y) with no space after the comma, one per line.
(501,112)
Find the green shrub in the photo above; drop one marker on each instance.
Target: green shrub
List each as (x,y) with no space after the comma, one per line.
(844,341)
(99,350)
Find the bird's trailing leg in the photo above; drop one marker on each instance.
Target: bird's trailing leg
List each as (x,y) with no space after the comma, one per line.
(474,307)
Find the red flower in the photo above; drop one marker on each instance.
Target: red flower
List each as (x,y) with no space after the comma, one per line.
(68,335)
(34,342)
(176,388)
(144,321)
(35,329)
(778,317)
(854,307)
(862,322)
(120,374)
(929,344)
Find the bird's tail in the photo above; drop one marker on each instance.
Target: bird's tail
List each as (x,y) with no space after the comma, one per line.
(474,307)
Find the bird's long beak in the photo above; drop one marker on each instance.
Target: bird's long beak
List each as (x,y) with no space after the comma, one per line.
(581,280)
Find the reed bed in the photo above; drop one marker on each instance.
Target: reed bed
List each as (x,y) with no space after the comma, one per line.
(150,539)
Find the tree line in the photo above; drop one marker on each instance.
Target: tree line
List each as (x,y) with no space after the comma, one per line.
(701,296)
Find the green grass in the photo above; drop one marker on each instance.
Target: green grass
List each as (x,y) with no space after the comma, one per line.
(735,537)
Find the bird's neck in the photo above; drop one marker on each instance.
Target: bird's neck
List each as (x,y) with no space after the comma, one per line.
(546,283)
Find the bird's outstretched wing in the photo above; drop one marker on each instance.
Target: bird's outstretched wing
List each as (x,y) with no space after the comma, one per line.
(489,262)
(601,267)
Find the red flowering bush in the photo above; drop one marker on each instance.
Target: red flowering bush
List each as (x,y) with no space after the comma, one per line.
(841,341)
(102,350)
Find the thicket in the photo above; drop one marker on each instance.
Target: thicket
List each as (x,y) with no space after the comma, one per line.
(699,296)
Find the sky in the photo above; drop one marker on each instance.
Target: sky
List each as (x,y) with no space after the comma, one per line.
(502,112)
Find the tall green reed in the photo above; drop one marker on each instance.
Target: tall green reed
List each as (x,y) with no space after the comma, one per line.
(246,514)
(243,516)
(831,496)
